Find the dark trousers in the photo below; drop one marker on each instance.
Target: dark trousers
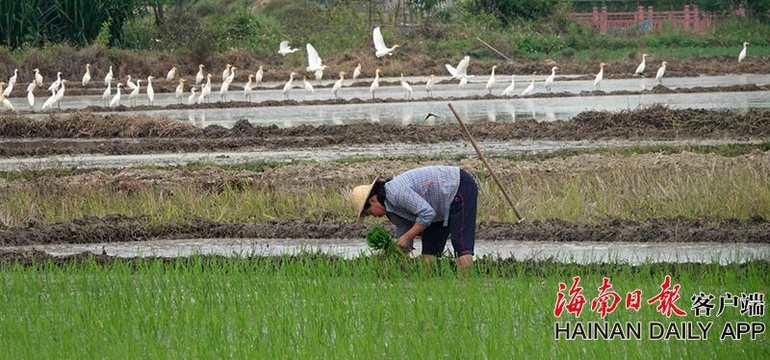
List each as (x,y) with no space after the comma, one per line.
(462,222)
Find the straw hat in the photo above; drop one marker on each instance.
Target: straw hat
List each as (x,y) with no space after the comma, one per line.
(358,197)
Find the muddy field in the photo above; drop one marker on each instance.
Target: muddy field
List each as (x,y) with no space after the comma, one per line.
(84,132)
(122,229)
(331,175)
(88,133)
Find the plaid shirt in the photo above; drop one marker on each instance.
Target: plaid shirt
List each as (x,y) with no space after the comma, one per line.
(421,195)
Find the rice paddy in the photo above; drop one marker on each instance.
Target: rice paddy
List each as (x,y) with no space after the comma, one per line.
(320,307)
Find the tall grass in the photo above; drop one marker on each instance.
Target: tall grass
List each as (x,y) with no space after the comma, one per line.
(35,22)
(323,308)
(604,187)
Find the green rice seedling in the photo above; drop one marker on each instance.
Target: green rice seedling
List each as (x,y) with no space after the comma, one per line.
(317,306)
(378,238)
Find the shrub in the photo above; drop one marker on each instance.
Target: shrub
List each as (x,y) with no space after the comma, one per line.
(103,38)
(512,10)
(139,33)
(734,31)
(243,28)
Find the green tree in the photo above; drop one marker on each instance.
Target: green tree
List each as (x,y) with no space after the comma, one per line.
(36,22)
(508,11)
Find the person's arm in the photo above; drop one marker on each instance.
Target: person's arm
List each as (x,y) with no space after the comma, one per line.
(412,202)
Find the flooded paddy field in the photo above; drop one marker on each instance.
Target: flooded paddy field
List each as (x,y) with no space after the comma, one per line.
(323,133)
(583,252)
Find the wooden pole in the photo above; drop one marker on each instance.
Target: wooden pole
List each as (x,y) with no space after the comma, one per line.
(468,136)
(495,50)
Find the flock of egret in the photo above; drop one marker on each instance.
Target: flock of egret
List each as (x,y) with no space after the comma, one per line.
(315,66)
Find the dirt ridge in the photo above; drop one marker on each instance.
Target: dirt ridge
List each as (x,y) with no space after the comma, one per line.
(121,135)
(117,228)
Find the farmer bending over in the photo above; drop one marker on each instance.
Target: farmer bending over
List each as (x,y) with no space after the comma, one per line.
(431,201)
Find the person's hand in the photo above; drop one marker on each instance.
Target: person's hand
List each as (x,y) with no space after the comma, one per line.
(406,244)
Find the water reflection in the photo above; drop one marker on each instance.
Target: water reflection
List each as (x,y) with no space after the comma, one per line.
(499,110)
(407,113)
(197,118)
(374,115)
(491,115)
(414,112)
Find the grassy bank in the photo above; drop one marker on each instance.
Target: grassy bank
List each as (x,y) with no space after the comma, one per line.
(216,34)
(321,307)
(581,188)
(723,150)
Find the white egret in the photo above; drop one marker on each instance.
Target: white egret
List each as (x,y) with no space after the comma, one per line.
(429,85)
(284,48)
(640,69)
(319,74)
(549,79)
(60,94)
(338,85)
(248,88)
(6,103)
(150,91)
(375,84)
(463,81)
(55,85)
(289,84)
(108,77)
(106,94)
(380,49)
(205,90)
(357,71)
(491,81)
(171,74)
(314,62)
(31,95)
(599,76)
(49,102)
(199,75)
(86,76)
(38,78)
(116,99)
(11,83)
(179,92)
(461,69)
(661,71)
(226,84)
(408,93)
(305,84)
(529,88)
(9,88)
(191,98)
(12,79)
(226,72)
(134,93)
(131,85)
(508,91)
(258,77)
(742,55)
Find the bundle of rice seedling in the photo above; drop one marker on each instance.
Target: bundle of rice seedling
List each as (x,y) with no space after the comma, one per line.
(379,238)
